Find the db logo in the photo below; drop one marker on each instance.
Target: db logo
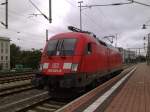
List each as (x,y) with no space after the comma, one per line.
(55,65)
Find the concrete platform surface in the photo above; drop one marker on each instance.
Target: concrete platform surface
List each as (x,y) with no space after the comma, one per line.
(134,96)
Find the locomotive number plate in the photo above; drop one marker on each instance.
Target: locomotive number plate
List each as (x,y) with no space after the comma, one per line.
(55,65)
(54,70)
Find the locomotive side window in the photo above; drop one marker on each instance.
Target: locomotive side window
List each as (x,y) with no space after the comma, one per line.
(88,49)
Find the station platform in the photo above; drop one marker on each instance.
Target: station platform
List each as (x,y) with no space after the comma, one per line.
(127,92)
(134,96)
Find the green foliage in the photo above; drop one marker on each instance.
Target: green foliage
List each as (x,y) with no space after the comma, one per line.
(14,55)
(29,59)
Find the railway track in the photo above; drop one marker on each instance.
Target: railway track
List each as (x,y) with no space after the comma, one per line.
(50,105)
(20,101)
(31,101)
(8,79)
(10,74)
(16,83)
(6,90)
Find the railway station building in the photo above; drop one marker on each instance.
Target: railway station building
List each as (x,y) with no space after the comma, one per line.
(4,53)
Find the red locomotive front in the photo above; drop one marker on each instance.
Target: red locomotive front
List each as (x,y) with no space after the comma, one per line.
(62,54)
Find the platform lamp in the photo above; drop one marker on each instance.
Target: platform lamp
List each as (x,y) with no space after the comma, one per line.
(144,26)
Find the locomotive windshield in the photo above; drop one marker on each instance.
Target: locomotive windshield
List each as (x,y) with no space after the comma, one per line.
(61,47)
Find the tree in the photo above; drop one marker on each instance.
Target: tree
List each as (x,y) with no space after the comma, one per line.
(29,59)
(14,55)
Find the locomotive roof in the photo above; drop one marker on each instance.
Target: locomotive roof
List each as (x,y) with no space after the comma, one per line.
(69,34)
(82,35)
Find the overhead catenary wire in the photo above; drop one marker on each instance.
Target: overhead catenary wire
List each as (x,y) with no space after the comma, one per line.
(25,36)
(140,3)
(70,3)
(101,14)
(96,26)
(89,18)
(39,10)
(90,6)
(93,21)
(23,17)
(112,4)
(107,19)
(20,31)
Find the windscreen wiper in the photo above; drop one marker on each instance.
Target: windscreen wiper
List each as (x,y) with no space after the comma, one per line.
(63,49)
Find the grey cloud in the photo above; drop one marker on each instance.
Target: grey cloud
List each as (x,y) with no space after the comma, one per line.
(124,20)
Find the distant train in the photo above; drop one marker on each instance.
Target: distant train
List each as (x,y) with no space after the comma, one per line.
(75,60)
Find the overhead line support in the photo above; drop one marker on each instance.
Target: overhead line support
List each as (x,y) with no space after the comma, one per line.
(6,14)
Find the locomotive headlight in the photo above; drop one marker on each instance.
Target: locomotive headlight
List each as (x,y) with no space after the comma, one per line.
(45,65)
(74,67)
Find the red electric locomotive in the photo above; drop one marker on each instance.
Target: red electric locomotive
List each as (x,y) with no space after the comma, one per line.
(75,60)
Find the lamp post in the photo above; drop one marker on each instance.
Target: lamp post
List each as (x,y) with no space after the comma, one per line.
(148,43)
(80,5)
(148,49)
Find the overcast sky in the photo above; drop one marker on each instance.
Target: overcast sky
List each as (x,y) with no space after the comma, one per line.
(28,31)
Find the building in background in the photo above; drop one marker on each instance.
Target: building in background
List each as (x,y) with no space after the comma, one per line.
(4,53)
(128,55)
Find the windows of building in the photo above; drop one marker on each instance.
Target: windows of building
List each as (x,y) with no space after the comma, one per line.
(1,57)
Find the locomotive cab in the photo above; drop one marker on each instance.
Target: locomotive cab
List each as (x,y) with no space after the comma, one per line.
(58,57)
